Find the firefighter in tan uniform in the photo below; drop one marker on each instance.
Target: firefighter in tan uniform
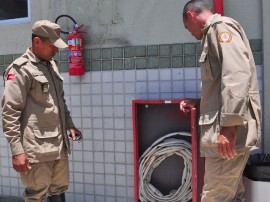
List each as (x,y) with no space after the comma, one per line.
(36,118)
(230,111)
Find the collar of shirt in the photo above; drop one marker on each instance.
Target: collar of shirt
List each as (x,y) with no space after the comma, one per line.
(210,21)
(30,55)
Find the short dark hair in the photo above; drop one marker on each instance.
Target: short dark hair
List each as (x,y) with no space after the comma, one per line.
(196,6)
(42,38)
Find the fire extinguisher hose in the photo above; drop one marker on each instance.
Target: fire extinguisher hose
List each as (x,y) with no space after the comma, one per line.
(162,148)
(66,16)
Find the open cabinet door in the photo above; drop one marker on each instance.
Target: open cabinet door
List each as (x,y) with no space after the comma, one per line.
(152,120)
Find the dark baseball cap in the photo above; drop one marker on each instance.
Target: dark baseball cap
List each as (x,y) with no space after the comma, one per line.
(46,28)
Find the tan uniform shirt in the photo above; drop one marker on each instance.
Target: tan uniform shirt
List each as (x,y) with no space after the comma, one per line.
(230,95)
(35,116)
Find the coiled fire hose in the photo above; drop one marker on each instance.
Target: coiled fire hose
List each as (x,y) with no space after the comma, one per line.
(162,148)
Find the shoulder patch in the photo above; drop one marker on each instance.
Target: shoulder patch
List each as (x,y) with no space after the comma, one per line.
(11,76)
(225,37)
(20,61)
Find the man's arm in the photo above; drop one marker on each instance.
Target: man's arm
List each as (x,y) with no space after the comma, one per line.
(17,85)
(235,82)
(69,123)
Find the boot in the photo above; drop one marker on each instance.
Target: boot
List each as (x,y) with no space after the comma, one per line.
(57,198)
(62,197)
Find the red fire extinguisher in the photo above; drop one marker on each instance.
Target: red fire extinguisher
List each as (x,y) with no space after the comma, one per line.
(75,52)
(75,49)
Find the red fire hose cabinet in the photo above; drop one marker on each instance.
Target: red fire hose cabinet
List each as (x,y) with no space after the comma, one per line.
(167,163)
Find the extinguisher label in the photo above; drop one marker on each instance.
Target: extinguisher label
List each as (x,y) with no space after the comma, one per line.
(75,48)
(75,42)
(76,60)
(71,43)
(75,65)
(78,42)
(75,53)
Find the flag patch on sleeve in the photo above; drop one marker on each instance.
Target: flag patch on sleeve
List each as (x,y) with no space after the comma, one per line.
(11,77)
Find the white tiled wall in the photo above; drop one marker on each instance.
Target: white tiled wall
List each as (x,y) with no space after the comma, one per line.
(101,167)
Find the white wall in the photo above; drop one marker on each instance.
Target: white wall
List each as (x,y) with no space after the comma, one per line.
(125,22)
(248,13)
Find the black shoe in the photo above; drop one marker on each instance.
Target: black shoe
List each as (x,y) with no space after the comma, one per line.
(57,198)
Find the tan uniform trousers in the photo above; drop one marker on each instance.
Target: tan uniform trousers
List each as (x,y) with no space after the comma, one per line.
(223,180)
(50,177)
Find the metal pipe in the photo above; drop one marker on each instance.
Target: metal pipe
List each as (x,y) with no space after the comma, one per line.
(218,7)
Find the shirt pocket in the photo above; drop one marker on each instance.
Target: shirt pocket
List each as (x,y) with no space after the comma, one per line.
(41,87)
(210,128)
(206,72)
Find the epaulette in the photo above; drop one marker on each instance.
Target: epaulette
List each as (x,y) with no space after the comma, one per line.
(216,21)
(20,61)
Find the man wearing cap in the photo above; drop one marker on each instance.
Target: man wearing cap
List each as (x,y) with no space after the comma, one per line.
(36,118)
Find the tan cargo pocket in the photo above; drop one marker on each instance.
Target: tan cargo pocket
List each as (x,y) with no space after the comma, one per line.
(210,129)
(47,140)
(239,84)
(206,72)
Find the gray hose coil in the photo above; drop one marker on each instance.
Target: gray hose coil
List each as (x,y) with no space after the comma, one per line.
(153,156)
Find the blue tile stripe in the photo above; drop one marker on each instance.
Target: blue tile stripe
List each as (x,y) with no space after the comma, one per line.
(138,57)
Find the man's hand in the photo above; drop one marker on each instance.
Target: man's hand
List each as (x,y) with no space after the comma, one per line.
(73,132)
(226,142)
(187,104)
(20,163)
